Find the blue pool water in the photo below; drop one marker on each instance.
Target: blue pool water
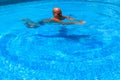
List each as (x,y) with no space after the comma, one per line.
(57,52)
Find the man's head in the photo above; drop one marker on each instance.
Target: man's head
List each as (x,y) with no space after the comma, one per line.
(57,12)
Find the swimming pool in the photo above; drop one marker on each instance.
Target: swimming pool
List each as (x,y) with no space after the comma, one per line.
(57,52)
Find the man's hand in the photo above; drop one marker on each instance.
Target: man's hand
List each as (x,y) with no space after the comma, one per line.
(69,18)
(82,22)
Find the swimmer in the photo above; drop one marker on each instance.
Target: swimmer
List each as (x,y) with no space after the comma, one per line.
(58,17)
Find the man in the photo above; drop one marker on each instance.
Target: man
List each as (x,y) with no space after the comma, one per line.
(58,17)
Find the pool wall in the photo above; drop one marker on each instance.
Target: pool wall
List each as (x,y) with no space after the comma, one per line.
(6,2)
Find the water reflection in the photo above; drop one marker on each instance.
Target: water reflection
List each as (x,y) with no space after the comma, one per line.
(63,34)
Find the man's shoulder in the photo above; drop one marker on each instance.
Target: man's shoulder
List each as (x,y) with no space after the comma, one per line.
(55,19)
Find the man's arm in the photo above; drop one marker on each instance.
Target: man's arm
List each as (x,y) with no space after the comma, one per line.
(76,21)
(68,17)
(68,23)
(42,22)
(59,21)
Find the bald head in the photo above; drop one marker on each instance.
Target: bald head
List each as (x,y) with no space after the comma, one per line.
(56,10)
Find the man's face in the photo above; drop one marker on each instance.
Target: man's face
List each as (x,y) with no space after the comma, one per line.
(57,12)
